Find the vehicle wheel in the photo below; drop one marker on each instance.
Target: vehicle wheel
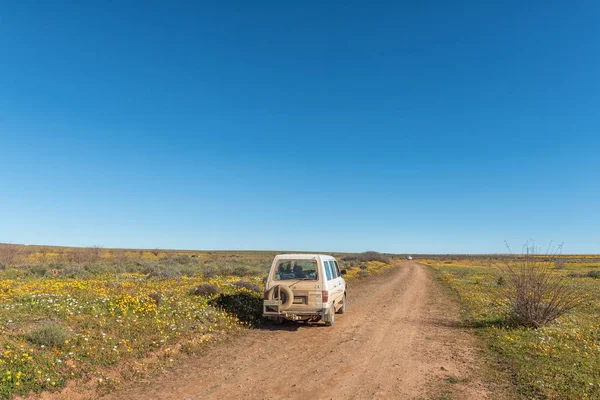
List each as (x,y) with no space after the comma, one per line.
(278,321)
(343,307)
(331,320)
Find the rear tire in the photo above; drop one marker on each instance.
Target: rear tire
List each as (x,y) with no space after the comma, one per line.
(342,309)
(331,317)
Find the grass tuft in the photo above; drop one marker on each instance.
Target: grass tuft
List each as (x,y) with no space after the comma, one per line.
(50,334)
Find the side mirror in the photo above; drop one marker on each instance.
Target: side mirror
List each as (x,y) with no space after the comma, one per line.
(344,272)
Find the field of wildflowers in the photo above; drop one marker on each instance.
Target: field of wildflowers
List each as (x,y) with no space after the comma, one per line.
(108,323)
(558,361)
(114,316)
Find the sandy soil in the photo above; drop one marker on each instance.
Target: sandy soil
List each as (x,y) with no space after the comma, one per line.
(400,339)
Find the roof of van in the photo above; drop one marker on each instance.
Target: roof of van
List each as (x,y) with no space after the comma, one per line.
(302,256)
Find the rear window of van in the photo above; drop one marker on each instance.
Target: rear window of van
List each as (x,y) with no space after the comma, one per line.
(296,269)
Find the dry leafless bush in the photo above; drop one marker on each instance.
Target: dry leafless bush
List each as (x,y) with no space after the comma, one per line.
(94,253)
(560,263)
(8,254)
(66,257)
(44,255)
(534,294)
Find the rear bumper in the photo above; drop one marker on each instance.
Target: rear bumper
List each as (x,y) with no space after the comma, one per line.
(274,312)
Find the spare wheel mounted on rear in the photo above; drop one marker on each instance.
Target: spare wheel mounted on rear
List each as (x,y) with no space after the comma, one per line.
(283,293)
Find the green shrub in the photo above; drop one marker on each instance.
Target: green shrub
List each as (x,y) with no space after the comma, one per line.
(589,274)
(241,271)
(593,274)
(39,270)
(182,259)
(249,285)
(75,271)
(50,334)
(103,268)
(163,272)
(205,289)
(247,307)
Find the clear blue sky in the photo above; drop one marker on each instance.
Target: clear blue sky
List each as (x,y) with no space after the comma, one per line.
(346,126)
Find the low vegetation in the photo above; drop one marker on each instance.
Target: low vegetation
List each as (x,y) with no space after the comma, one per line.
(49,335)
(366,257)
(540,319)
(134,323)
(98,317)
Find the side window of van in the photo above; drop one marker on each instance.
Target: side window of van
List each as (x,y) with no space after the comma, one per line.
(332,269)
(337,269)
(327,270)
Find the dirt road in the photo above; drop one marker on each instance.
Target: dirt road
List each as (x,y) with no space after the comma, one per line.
(400,338)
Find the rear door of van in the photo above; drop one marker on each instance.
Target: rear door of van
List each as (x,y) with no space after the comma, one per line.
(307,293)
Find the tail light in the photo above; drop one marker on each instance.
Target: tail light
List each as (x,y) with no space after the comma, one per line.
(325,296)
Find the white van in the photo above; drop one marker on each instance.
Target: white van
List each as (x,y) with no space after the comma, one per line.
(304,287)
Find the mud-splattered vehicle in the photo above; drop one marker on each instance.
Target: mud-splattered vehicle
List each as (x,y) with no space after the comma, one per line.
(304,287)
